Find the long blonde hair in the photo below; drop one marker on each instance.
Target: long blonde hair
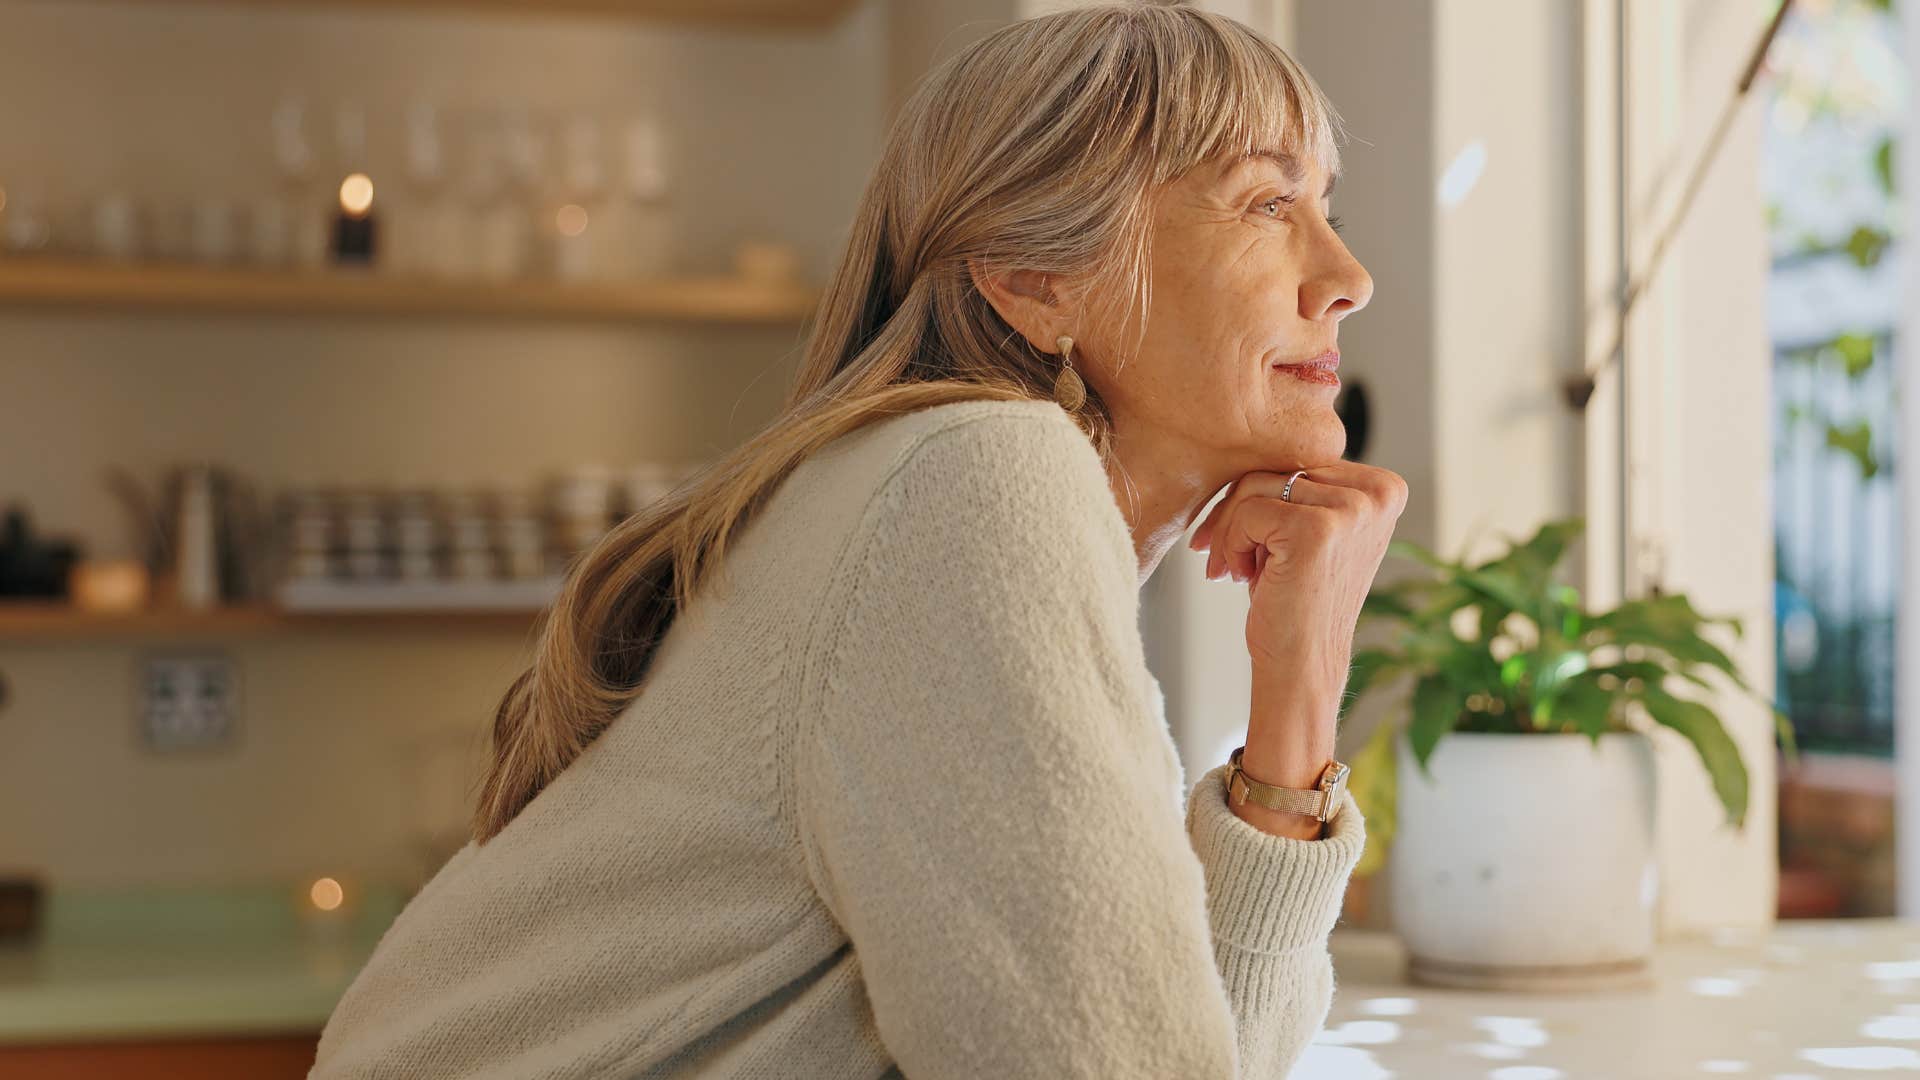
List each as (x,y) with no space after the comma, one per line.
(1040,147)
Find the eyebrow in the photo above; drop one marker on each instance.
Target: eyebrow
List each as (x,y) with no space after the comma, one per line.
(1290,166)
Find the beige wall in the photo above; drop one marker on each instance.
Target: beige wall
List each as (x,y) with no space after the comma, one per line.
(1506,270)
(1481,306)
(352,743)
(1700,429)
(922,33)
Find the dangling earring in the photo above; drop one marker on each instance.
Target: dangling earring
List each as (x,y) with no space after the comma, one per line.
(1068,389)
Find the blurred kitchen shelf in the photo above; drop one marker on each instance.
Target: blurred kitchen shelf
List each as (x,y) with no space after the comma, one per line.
(49,622)
(774,14)
(411,597)
(180,287)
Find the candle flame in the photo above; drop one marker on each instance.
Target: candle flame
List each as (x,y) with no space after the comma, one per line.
(356,194)
(327,894)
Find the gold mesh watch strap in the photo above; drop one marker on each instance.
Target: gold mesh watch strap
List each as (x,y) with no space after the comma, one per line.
(1242,789)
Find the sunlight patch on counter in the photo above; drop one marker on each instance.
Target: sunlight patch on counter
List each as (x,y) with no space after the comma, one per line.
(1322,1062)
(1360,1033)
(1864,1058)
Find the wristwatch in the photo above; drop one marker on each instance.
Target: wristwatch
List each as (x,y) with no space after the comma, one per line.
(1320,803)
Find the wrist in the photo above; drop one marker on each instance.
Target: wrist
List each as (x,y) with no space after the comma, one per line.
(1292,821)
(1318,669)
(1287,767)
(1290,732)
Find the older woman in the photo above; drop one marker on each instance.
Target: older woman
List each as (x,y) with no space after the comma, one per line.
(844,760)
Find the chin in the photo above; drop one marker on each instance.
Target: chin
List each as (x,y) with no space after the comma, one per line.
(1300,446)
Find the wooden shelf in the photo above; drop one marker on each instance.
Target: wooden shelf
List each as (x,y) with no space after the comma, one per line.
(772,14)
(185,288)
(52,622)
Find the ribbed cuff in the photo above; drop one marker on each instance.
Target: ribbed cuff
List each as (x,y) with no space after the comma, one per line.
(1268,893)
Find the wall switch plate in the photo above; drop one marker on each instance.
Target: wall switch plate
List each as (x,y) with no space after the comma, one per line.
(189,701)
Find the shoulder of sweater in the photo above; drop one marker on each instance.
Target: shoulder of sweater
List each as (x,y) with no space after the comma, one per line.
(1020,451)
(1043,423)
(997,471)
(1015,443)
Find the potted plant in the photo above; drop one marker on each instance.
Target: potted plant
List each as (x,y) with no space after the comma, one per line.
(1514,796)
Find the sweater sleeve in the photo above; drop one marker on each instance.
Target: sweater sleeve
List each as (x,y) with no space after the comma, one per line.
(991,805)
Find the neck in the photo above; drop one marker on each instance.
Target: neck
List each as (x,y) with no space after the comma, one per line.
(1161,486)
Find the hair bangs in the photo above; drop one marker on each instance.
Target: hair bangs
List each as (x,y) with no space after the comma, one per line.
(1232,92)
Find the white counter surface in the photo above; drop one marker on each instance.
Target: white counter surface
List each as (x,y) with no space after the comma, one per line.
(1828,998)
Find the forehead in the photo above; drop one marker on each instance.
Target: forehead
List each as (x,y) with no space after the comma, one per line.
(1296,168)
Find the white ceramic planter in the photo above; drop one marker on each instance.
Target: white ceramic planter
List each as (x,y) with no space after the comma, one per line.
(1526,861)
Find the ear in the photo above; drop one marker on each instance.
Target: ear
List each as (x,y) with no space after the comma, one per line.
(1030,302)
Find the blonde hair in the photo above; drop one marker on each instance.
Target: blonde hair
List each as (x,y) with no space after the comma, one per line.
(1040,147)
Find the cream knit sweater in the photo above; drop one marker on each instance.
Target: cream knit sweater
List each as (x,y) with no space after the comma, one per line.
(900,800)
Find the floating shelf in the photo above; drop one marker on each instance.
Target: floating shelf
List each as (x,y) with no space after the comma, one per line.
(186,288)
(776,14)
(47,623)
(328,597)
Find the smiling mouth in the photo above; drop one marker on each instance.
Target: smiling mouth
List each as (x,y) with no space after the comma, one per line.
(1323,369)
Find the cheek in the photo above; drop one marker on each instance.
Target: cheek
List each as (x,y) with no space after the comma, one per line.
(1204,362)
(1218,311)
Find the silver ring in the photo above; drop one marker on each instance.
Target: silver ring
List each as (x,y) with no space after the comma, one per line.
(1286,493)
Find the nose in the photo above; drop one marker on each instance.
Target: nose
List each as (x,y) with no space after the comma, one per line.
(1339,287)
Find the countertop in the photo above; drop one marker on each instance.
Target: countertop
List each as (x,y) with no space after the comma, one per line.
(184,963)
(1828,998)
(1816,998)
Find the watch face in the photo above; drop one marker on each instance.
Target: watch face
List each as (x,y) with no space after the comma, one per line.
(1335,782)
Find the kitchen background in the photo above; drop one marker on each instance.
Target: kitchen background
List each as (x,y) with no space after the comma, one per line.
(192,339)
(330,329)
(367,377)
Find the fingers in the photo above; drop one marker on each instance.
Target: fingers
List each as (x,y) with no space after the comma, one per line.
(1310,492)
(1323,485)
(1386,488)
(1255,519)
(1257,523)
(1198,540)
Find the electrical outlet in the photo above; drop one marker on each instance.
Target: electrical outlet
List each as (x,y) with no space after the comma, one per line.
(189,701)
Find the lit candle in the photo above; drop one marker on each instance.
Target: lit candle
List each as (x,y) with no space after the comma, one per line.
(572,255)
(326,894)
(327,909)
(354,231)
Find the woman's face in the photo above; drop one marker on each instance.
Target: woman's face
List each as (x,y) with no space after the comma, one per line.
(1248,275)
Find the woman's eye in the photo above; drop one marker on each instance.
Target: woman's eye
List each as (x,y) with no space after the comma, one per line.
(1273,206)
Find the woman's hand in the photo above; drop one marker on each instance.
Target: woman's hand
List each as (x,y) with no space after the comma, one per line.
(1309,563)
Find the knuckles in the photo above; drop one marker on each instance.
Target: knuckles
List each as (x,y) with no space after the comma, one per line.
(1387,490)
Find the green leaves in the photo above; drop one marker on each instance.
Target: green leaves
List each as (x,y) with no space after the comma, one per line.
(1866,245)
(1856,441)
(1436,708)
(1367,666)
(1716,748)
(1668,624)
(1856,352)
(1533,561)
(1583,704)
(1375,785)
(1501,646)
(1549,679)
(1783,729)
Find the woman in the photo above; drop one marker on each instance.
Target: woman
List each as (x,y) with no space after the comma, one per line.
(844,761)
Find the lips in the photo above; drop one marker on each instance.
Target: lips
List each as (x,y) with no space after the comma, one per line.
(1322,369)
